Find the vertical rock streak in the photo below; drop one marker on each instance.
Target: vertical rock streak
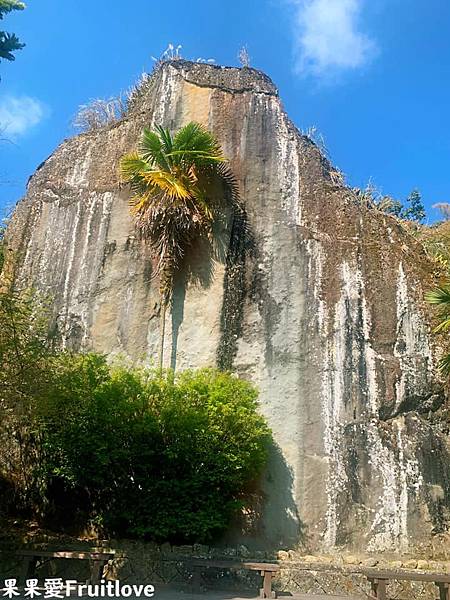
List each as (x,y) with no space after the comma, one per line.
(400,480)
(289,174)
(412,347)
(347,347)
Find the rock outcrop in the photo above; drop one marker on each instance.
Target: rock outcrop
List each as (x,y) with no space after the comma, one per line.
(324,312)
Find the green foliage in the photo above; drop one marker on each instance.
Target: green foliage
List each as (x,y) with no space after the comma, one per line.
(444,364)
(412,210)
(173,199)
(436,241)
(25,372)
(390,206)
(440,298)
(164,458)
(415,209)
(7,6)
(9,42)
(25,347)
(141,453)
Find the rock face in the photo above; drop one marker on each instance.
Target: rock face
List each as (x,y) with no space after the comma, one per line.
(324,312)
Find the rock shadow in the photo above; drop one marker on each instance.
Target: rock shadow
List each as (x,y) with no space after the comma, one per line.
(270,520)
(198,269)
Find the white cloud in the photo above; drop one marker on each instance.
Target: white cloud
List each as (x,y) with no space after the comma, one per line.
(328,38)
(19,114)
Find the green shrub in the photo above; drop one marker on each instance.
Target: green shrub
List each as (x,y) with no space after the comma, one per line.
(145,455)
(26,352)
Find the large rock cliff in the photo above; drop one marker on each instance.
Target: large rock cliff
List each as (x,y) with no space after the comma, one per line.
(324,312)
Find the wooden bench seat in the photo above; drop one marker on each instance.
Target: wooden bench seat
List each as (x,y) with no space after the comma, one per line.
(326,597)
(267,570)
(97,560)
(379,580)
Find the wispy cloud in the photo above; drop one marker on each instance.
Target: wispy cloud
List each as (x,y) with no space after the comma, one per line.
(19,114)
(328,37)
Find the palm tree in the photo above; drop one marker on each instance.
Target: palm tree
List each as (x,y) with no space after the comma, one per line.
(440,297)
(179,183)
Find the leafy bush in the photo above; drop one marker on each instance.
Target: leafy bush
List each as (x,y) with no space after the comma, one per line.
(25,345)
(160,457)
(141,453)
(25,358)
(436,240)
(412,209)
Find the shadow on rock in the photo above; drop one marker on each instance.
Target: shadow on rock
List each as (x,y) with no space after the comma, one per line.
(270,520)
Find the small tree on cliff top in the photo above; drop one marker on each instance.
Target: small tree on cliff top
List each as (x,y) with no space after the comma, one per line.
(178,183)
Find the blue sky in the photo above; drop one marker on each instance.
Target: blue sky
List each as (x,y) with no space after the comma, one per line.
(373,76)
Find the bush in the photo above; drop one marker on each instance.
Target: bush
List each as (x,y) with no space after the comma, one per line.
(144,455)
(26,351)
(138,452)
(436,240)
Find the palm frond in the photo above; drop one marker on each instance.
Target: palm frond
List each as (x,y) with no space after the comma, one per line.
(439,296)
(132,166)
(195,142)
(231,184)
(202,206)
(142,202)
(179,184)
(444,365)
(151,149)
(444,325)
(168,183)
(188,137)
(166,139)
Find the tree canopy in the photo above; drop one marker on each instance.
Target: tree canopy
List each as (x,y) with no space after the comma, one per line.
(9,42)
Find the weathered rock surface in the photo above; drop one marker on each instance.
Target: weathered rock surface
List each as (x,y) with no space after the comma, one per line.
(324,313)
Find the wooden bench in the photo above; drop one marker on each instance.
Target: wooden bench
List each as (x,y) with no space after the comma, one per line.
(267,570)
(380,579)
(97,561)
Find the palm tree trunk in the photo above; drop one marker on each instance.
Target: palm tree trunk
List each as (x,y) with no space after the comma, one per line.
(165,292)
(162,331)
